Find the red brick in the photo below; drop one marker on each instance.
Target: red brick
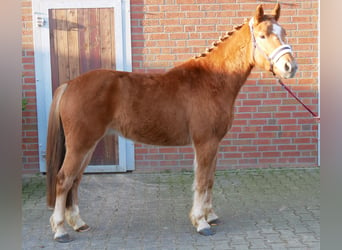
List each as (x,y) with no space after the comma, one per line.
(307,40)
(261,141)
(307,147)
(301,140)
(247,161)
(232,155)
(271,128)
(186,150)
(281,115)
(290,154)
(256,122)
(287,121)
(267,108)
(307,160)
(252,155)
(271,102)
(246,135)
(185,1)
(262,115)
(189,157)
(288,134)
(168,150)
(179,36)
(154,157)
(185,163)
(169,163)
(173,157)
(287,108)
(271,154)
(248,109)
(268,160)
(290,128)
(192,7)
(287,147)
(266,135)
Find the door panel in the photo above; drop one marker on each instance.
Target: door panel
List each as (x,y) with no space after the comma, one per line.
(82,40)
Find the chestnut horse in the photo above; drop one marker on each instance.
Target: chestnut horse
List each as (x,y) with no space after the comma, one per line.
(191,103)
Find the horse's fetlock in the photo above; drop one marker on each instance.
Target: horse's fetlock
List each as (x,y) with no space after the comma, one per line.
(193,220)
(55,224)
(73,218)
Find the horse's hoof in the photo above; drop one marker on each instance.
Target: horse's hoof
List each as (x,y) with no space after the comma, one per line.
(206,232)
(83,228)
(65,238)
(215,222)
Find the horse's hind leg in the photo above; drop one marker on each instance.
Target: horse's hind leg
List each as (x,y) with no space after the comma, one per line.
(72,212)
(65,180)
(205,164)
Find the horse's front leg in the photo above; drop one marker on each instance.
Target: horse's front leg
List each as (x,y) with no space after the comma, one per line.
(202,213)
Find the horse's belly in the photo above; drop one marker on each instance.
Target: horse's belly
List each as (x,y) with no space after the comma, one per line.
(161,140)
(155,135)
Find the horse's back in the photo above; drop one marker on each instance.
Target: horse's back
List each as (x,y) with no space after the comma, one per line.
(151,110)
(142,107)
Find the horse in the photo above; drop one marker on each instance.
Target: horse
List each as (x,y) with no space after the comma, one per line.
(190,104)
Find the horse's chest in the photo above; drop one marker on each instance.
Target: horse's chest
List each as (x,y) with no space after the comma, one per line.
(211,118)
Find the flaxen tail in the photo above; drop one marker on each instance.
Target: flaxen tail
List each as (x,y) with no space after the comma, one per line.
(55,148)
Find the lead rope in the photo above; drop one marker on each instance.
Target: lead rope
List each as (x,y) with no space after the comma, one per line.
(294,96)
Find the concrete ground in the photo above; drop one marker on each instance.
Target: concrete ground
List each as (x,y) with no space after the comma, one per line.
(259,209)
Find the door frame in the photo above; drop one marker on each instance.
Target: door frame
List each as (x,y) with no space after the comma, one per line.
(41,38)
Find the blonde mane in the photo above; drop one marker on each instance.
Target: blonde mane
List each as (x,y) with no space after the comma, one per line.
(221,39)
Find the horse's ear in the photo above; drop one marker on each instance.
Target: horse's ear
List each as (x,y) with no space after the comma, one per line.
(276,12)
(259,14)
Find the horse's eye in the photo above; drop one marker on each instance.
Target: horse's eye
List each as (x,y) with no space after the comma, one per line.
(262,37)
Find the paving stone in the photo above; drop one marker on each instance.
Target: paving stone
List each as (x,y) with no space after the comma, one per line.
(260,209)
(257,244)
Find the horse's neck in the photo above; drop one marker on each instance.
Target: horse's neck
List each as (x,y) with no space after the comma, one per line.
(231,61)
(233,57)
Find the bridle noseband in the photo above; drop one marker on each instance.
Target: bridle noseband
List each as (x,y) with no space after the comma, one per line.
(276,53)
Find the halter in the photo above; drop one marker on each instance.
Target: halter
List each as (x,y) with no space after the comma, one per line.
(276,53)
(273,58)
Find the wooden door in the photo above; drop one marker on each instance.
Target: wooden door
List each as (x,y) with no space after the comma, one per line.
(81,40)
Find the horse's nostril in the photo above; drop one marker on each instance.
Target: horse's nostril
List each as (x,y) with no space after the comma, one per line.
(287,67)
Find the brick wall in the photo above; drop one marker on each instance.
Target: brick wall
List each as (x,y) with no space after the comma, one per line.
(270,129)
(29,120)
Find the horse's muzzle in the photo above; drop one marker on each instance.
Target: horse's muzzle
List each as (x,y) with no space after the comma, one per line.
(290,69)
(285,68)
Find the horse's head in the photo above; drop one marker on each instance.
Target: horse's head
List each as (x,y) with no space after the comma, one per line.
(269,48)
